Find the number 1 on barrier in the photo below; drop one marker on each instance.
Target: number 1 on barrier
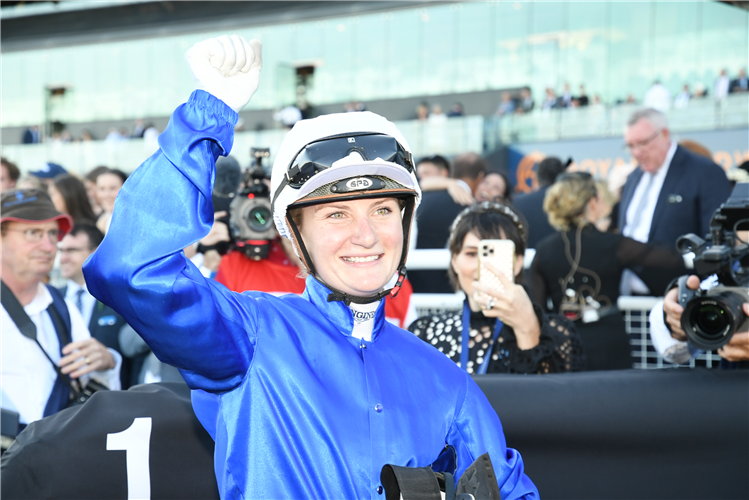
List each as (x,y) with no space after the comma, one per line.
(135,441)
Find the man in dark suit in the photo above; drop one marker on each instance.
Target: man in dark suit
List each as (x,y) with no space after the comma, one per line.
(31,135)
(103,322)
(672,192)
(435,215)
(740,84)
(531,205)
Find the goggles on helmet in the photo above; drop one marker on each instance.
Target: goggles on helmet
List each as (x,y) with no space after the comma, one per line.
(320,155)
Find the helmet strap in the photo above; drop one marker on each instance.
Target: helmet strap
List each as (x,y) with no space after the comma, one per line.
(338,296)
(306,260)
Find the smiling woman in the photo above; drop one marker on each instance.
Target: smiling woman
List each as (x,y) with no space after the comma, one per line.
(363,243)
(290,382)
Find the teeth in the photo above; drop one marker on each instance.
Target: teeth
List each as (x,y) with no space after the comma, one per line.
(361,259)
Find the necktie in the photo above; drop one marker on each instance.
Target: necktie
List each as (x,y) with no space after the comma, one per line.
(79,299)
(641,205)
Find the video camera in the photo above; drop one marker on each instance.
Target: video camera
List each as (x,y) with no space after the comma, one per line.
(250,215)
(711,317)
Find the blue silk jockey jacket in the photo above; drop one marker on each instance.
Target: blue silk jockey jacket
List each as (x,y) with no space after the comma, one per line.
(304,409)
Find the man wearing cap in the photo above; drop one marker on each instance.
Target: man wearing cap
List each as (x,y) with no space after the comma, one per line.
(39,327)
(48,171)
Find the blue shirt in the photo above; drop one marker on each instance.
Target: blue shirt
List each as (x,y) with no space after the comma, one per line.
(305,410)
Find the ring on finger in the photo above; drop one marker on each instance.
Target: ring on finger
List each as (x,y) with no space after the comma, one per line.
(490,304)
(87,360)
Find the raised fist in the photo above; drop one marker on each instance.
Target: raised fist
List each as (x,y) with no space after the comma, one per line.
(228,67)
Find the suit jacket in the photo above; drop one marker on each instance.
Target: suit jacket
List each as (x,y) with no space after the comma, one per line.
(29,137)
(434,217)
(738,85)
(531,206)
(105,324)
(692,190)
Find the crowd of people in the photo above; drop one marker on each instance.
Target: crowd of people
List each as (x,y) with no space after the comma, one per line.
(309,340)
(591,245)
(660,97)
(59,133)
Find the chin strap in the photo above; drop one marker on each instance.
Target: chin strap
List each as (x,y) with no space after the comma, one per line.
(338,296)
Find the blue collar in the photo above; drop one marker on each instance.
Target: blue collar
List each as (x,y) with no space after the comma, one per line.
(338,313)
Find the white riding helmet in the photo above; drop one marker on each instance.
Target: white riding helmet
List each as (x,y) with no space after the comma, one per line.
(342,156)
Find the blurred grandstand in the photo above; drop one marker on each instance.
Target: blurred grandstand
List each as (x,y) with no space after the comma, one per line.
(86,71)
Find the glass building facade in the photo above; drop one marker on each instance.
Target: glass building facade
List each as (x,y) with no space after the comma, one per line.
(613,48)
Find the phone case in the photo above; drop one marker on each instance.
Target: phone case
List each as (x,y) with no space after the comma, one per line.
(501,253)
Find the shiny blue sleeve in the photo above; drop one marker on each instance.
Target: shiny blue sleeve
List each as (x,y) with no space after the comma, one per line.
(477,430)
(140,270)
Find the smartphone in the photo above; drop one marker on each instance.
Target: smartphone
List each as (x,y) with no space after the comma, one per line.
(501,253)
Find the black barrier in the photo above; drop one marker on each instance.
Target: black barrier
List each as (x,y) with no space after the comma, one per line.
(630,434)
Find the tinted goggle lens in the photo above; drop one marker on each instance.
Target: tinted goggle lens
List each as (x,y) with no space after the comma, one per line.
(321,155)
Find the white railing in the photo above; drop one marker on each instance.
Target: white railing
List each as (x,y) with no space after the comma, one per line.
(603,121)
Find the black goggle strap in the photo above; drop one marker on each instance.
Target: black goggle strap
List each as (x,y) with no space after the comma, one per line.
(311,167)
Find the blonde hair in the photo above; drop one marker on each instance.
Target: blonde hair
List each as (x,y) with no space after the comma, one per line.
(567,198)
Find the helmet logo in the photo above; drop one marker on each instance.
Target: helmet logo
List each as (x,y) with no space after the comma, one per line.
(358,183)
(351,139)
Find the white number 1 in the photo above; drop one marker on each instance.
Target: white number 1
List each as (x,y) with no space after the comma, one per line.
(135,440)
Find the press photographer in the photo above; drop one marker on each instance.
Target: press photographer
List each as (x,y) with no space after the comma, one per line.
(257,258)
(713,314)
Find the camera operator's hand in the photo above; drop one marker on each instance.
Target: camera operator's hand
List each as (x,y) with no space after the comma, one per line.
(228,67)
(672,309)
(738,348)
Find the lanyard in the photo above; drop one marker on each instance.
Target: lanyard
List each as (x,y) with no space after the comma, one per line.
(464,349)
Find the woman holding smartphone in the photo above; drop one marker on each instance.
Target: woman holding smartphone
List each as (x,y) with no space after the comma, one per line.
(497,331)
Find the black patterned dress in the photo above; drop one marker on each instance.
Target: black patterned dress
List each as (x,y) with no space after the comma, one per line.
(559,348)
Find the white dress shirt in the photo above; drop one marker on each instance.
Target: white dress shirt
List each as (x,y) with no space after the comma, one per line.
(641,231)
(721,87)
(88,300)
(27,374)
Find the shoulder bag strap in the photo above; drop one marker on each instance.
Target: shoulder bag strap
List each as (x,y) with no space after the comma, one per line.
(28,329)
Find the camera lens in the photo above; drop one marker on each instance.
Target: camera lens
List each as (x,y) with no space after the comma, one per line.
(711,320)
(259,218)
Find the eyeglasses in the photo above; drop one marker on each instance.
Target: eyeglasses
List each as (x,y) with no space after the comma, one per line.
(36,235)
(318,156)
(641,144)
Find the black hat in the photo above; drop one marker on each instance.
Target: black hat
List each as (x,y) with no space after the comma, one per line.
(32,205)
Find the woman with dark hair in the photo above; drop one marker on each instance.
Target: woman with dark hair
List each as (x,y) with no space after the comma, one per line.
(108,184)
(89,181)
(495,186)
(69,196)
(497,332)
(579,268)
